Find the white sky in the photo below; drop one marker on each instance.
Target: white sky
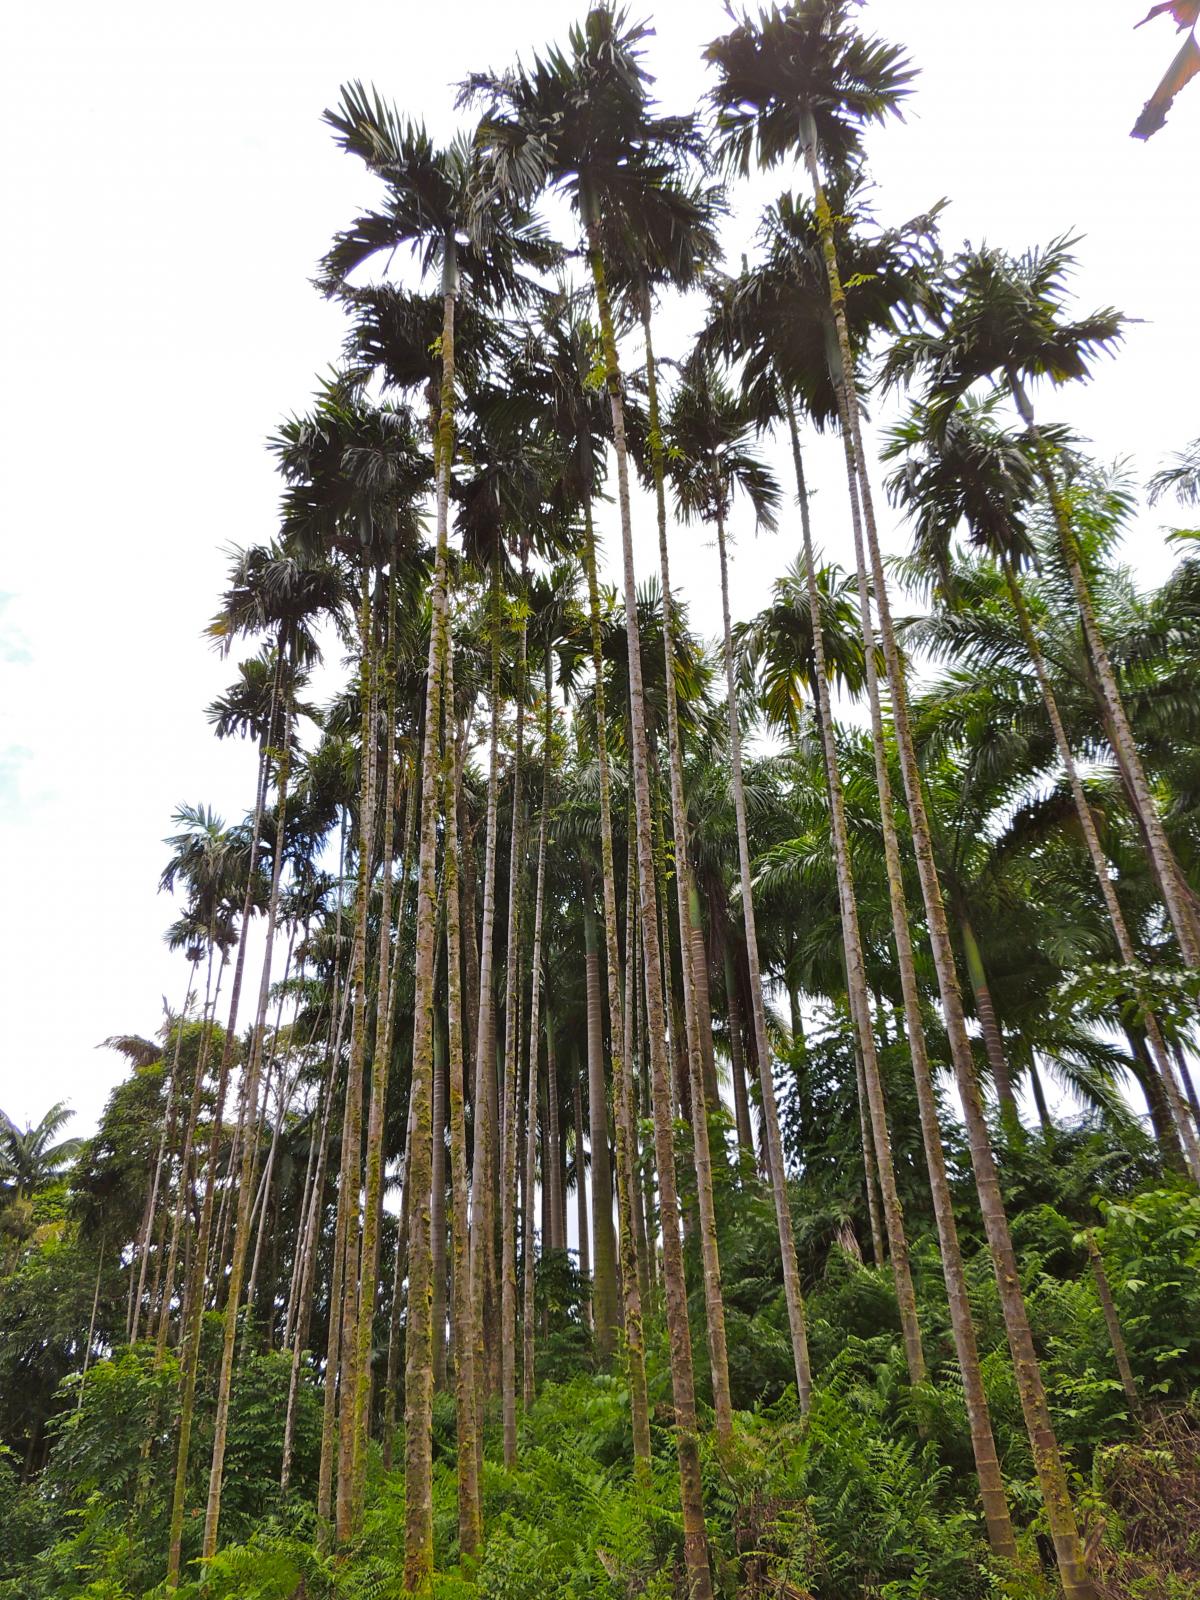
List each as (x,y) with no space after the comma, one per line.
(167,188)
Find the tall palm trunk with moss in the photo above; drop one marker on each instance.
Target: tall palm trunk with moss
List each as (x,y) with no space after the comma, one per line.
(983,1443)
(622,1065)
(860,1003)
(512,1077)
(697,1014)
(604,1241)
(308,1256)
(695,1534)
(193,1306)
(418,1367)
(344,1309)
(1163,1064)
(783,1214)
(1162,857)
(552,1163)
(531,1108)
(470,1530)
(1052,1480)
(483,1221)
(241,1238)
(380,1068)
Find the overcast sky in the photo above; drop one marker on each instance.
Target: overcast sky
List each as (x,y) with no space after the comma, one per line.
(167,188)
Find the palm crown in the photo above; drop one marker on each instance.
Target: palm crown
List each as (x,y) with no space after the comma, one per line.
(801,74)
(29,1159)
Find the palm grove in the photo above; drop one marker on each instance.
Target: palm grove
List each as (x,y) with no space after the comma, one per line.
(560,905)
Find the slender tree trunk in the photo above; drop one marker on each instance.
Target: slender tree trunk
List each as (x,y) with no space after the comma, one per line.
(483,1216)
(633,1240)
(1113,1323)
(1185,1125)
(470,1523)
(552,1175)
(1189,1087)
(512,1077)
(1077,1583)
(143,1247)
(360,1407)
(695,1047)
(581,1205)
(989,1026)
(783,1215)
(193,1310)
(635,1348)
(604,1245)
(418,1373)
(695,1535)
(283,1093)
(350,1212)
(531,1114)
(91,1333)
(737,1059)
(1162,858)
(870,1167)
(337,1023)
(241,1237)
(438,1202)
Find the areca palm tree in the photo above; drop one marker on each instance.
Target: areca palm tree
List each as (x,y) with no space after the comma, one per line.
(434,207)
(29,1157)
(1005,320)
(580,121)
(271,590)
(803,79)
(960,468)
(709,432)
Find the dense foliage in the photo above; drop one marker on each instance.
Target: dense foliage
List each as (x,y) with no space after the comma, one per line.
(685,1135)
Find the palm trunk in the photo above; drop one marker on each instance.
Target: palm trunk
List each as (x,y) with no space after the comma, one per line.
(241,1237)
(633,1255)
(695,1535)
(581,1204)
(193,1309)
(1129,956)
(696,1045)
(483,1224)
(1113,1323)
(512,1075)
(635,1346)
(983,1444)
(531,1112)
(470,1528)
(392,1378)
(418,1369)
(360,1409)
(737,1058)
(870,1166)
(350,1216)
(989,1027)
(604,1245)
(283,1091)
(783,1215)
(296,1330)
(437,1211)
(552,1175)
(1076,1581)
(143,1248)
(1162,858)
(91,1333)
